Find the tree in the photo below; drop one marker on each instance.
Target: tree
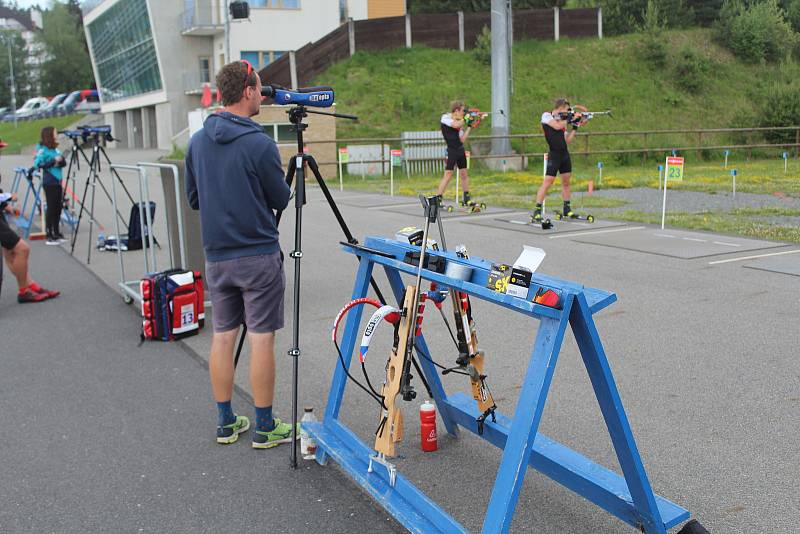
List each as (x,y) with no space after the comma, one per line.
(22,77)
(67,67)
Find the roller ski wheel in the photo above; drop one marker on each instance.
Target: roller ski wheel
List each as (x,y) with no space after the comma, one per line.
(547,224)
(473,207)
(574,216)
(450,209)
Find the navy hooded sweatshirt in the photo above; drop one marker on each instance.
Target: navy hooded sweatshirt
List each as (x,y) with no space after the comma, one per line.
(235,178)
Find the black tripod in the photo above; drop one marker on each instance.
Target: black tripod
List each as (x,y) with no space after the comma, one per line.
(73,167)
(297,172)
(92,180)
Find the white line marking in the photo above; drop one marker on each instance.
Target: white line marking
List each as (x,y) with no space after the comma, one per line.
(665,235)
(727,244)
(388,206)
(576,234)
(694,239)
(754,257)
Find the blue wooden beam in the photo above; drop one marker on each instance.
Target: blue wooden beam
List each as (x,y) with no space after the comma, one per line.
(407,504)
(572,470)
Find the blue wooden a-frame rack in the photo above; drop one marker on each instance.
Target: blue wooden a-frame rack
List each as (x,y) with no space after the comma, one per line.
(628,497)
(33,192)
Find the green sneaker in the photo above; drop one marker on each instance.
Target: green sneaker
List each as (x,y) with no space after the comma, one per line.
(230,433)
(282,433)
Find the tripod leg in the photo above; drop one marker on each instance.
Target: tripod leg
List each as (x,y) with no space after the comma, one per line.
(241,346)
(80,215)
(312,164)
(91,221)
(108,196)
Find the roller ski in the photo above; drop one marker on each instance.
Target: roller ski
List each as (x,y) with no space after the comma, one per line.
(538,220)
(467,204)
(574,216)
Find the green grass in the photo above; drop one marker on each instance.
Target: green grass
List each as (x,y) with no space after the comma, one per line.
(28,133)
(408,89)
(764,176)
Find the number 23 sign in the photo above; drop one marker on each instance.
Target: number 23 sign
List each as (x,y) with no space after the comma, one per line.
(674,169)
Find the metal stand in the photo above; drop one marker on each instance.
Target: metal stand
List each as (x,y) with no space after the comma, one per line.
(629,497)
(73,167)
(92,180)
(297,173)
(33,193)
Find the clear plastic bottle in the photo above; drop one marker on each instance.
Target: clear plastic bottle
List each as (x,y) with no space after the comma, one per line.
(308,445)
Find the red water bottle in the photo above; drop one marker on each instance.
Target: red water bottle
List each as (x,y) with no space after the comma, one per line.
(427,420)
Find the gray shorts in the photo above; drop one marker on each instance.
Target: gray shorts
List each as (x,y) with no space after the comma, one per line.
(248,290)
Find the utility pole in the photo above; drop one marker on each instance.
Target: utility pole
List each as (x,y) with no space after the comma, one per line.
(500,76)
(227,32)
(6,38)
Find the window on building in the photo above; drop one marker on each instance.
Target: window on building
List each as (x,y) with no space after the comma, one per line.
(282,133)
(205,70)
(124,52)
(259,60)
(275,4)
(254,58)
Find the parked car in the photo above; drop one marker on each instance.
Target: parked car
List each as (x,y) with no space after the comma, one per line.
(31,106)
(90,102)
(75,98)
(50,109)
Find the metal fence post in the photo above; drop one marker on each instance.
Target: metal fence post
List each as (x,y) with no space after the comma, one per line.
(351,35)
(556,24)
(461,31)
(293,69)
(408,30)
(599,22)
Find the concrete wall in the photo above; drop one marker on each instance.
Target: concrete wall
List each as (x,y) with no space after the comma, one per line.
(176,54)
(319,128)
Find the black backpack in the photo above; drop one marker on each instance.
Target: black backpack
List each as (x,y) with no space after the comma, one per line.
(136,239)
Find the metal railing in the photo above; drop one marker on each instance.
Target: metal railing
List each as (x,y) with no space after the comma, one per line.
(581,146)
(193,81)
(201,15)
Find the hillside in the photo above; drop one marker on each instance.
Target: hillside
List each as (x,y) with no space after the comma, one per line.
(408,89)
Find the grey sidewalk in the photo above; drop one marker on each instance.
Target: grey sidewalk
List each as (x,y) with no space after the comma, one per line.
(103,436)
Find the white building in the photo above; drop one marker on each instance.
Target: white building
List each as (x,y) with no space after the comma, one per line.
(151,58)
(28,23)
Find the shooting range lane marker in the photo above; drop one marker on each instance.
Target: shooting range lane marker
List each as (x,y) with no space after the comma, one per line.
(681,244)
(520,222)
(394,205)
(745,258)
(595,232)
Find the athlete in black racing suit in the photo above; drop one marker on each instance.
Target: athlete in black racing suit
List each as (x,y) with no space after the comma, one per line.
(558,160)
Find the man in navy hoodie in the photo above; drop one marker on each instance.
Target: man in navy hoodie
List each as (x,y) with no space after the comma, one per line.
(235,178)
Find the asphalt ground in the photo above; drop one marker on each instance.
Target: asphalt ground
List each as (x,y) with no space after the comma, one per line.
(703,353)
(106,436)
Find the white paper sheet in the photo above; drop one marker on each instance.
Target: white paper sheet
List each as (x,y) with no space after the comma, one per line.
(531,258)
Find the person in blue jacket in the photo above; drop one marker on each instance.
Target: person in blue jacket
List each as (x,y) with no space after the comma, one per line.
(50,161)
(235,178)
